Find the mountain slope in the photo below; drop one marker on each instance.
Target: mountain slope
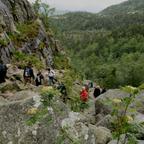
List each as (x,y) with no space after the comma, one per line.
(124,14)
(130,6)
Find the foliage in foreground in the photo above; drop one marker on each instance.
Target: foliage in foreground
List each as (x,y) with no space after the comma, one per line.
(123,123)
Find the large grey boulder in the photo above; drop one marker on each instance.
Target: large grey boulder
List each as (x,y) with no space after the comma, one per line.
(102,134)
(102,107)
(115,142)
(101,102)
(15,113)
(106,122)
(80,131)
(76,129)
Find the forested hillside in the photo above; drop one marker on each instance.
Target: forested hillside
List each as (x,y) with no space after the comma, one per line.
(130,6)
(126,13)
(107,47)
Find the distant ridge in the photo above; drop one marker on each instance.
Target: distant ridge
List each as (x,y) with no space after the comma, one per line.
(128,7)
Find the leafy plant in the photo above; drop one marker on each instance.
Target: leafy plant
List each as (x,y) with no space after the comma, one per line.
(75,103)
(43,11)
(123,123)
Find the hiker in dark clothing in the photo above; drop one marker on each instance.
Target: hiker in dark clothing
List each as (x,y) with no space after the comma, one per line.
(39,79)
(90,84)
(97,92)
(3,72)
(63,91)
(103,90)
(28,74)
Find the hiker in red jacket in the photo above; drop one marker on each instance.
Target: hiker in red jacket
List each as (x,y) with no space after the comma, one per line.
(84,99)
(84,95)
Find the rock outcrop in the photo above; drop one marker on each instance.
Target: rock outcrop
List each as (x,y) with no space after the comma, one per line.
(21,10)
(37,41)
(14,116)
(103,108)
(25,120)
(12,11)
(6,18)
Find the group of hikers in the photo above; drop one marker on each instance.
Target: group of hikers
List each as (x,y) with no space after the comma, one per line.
(29,77)
(84,94)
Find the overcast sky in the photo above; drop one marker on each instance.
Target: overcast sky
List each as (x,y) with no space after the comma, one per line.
(81,5)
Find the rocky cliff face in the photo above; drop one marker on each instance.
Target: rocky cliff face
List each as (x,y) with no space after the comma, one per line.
(19,12)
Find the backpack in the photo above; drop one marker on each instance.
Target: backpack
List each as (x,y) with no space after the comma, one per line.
(2,68)
(97,92)
(63,89)
(27,72)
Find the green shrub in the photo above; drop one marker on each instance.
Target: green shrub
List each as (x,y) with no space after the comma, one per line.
(4,42)
(9,87)
(27,31)
(42,45)
(21,59)
(75,103)
(61,62)
(48,94)
(37,116)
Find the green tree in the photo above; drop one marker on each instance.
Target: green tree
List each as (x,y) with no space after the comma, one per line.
(44,11)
